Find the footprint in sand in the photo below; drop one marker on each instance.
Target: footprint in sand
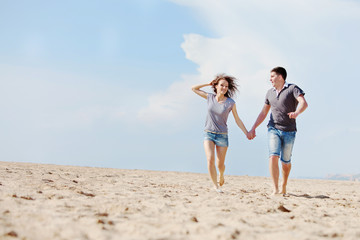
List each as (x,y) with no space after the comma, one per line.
(87,194)
(12,234)
(27,198)
(283,209)
(235,234)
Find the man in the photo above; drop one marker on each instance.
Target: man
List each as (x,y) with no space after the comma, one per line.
(287,102)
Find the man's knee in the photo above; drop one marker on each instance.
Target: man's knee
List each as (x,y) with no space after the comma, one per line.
(274,158)
(286,166)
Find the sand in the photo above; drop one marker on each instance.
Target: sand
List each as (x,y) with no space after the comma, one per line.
(40,201)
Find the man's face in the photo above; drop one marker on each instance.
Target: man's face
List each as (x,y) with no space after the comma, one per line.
(276,79)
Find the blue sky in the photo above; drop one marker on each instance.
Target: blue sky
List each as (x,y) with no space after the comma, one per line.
(107,83)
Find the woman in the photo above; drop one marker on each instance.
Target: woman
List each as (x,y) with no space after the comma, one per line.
(219,106)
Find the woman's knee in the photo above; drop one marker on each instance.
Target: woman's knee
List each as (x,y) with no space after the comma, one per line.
(220,164)
(211,160)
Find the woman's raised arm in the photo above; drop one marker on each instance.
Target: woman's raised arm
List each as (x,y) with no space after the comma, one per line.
(201,93)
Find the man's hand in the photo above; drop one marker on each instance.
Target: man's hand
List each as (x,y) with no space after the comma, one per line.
(293,115)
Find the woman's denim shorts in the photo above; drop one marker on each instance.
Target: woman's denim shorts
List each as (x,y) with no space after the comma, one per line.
(220,139)
(281,144)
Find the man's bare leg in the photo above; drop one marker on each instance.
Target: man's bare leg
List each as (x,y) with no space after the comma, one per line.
(285,173)
(274,172)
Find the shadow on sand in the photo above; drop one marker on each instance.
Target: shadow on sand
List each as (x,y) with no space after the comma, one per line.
(308,196)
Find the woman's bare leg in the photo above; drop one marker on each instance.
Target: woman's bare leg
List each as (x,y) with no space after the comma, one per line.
(221,153)
(209,147)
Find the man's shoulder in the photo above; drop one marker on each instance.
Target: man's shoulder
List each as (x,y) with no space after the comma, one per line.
(270,91)
(295,88)
(292,86)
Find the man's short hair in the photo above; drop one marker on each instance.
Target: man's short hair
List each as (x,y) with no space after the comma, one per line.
(280,71)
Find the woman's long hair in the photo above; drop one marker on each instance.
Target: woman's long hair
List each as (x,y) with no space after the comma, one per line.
(232,88)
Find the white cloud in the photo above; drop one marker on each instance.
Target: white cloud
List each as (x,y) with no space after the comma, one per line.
(171,107)
(254,36)
(249,63)
(247,59)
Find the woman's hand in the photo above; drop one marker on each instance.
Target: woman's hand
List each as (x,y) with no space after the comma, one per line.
(196,89)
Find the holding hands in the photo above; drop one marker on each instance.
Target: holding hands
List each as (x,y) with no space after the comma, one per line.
(251,134)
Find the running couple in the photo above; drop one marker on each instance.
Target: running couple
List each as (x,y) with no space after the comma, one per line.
(286,102)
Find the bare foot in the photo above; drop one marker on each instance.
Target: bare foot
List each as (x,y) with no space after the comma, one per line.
(275,192)
(219,190)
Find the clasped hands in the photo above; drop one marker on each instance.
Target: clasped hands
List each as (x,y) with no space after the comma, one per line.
(251,134)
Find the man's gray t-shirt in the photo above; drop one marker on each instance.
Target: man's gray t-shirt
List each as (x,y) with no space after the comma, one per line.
(281,105)
(217,114)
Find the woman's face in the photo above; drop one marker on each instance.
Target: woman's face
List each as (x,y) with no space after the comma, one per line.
(222,87)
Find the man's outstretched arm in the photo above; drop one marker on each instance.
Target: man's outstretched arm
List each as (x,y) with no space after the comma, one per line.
(262,115)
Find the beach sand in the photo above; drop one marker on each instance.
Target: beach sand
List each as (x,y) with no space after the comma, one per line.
(41,201)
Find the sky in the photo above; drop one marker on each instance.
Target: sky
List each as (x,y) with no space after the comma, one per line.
(108,83)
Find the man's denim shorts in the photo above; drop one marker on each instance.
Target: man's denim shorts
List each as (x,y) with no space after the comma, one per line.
(281,143)
(220,139)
